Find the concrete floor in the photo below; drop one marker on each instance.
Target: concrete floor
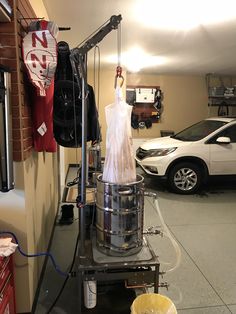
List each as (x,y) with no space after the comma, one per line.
(203,224)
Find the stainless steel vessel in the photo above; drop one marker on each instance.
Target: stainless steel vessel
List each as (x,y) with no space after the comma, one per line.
(119,217)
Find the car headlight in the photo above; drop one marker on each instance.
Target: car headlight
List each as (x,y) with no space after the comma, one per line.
(160,152)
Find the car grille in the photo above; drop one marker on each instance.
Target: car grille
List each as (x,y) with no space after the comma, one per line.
(141,153)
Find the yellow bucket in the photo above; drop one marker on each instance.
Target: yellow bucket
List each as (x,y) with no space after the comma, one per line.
(153,303)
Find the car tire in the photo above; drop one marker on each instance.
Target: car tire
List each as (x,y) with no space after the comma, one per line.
(185,178)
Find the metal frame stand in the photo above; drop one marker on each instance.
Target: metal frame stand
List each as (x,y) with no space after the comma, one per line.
(142,272)
(78,59)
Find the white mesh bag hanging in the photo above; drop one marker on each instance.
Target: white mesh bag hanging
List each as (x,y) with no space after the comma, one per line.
(119,166)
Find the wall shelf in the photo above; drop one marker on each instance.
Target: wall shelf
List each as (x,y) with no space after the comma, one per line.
(220,100)
(221,90)
(147,107)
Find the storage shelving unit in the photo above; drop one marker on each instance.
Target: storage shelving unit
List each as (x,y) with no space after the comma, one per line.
(221,91)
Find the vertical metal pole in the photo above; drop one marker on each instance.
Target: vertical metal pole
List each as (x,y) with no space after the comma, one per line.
(80,287)
(83,165)
(156,278)
(6,159)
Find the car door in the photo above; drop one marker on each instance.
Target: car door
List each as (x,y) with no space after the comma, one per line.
(223,156)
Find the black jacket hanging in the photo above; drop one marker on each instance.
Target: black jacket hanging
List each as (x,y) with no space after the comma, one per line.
(67,111)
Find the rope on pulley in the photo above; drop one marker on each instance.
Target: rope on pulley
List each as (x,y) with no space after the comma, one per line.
(119,68)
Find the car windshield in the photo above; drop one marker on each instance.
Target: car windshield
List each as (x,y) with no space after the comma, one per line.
(199,130)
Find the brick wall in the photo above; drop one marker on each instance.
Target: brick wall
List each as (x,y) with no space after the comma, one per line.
(11,34)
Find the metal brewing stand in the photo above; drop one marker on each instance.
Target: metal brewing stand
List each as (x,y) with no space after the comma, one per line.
(78,58)
(134,271)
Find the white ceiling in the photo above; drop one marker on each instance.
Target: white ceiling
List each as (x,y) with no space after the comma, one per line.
(208,48)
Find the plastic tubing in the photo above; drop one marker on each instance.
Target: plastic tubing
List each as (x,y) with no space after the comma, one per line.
(169,235)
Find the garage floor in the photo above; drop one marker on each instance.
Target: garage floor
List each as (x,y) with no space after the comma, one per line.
(204,226)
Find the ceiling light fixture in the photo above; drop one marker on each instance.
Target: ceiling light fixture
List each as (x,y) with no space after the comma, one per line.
(136,59)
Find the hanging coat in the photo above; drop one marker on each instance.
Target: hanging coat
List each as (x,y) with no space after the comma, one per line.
(67,111)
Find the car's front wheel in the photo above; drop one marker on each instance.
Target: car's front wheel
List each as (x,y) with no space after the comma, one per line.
(185,178)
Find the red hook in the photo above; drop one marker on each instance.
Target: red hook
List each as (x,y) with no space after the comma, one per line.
(119,75)
(118,71)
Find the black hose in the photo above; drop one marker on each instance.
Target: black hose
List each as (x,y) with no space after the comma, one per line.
(65,281)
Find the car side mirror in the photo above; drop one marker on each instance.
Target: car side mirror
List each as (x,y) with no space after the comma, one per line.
(223,140)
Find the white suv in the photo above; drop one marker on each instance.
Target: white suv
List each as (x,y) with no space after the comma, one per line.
(188,158)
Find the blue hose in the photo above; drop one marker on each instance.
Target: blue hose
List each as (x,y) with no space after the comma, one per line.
(36,255)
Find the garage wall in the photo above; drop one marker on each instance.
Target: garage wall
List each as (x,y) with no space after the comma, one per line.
(41,203)
(184,101)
